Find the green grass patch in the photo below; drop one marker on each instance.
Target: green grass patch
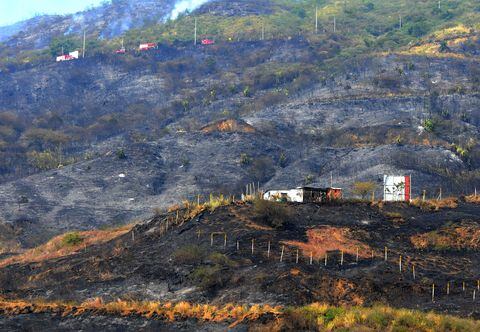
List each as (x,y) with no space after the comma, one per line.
(72,239)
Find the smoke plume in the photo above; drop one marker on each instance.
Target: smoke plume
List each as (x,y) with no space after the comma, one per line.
(184,5)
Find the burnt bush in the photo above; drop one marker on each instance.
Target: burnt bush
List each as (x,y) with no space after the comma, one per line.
(388,81)
(210,277)
(262,169)
(191,254)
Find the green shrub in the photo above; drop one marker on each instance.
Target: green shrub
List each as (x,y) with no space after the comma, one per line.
(274,214)
(282,160)
(333,312)
(245,159)
(362,189)
(72,239)
(45,160)
(121,154)
(247,92)
(429,125)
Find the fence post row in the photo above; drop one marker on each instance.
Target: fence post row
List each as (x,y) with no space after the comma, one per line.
(297,259)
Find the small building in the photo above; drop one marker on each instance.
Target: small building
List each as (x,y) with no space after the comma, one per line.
(68,57)
(304,195)
(397,188)
(147,46)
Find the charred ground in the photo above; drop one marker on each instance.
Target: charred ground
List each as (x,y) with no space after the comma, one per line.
(180,264)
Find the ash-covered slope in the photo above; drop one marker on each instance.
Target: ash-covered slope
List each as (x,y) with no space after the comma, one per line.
(143,115)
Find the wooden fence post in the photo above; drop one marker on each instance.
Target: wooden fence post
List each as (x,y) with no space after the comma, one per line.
(448,288)
(268,250)
(400,263)
(211,240)
(356,257)
(296,259)
(225,240)
(311,258)
(413,271)
(281,255)
(253,245)
(433,292)
(373,255)
(386,254)
(326,255)
(341,257)
(238,245)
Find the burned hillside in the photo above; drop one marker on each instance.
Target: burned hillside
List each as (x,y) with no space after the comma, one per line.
(155,114)
(342,254)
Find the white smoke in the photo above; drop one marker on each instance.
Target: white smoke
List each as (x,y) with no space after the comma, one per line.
(184,5)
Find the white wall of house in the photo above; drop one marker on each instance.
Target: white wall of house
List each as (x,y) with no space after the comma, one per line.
(292,195)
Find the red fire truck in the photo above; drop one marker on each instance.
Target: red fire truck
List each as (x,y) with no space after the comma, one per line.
(208,41)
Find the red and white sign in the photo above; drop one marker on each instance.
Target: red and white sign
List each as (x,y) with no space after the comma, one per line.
(68,57)
(397,188)
(147,46)
(208,42)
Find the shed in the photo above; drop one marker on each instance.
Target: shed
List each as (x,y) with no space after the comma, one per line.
(397,188)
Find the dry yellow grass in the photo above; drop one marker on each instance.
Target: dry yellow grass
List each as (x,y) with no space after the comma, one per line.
(473,199)
(190,209)
(165,311)
(314,317)
(321,317)
(456,31)
(59,247)
(433,204)
(460,237)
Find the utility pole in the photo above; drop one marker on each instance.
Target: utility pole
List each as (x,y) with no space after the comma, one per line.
(84,42)
(316,19)
(195,33)
(334,24)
